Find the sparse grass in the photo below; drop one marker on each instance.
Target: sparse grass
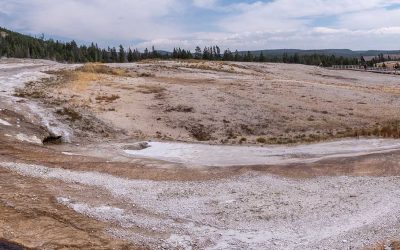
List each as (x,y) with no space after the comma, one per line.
(107,98)
(180,108)
(70,113)
(311,118)
(35,94)
(150,89)
(395,245)
(390,129)
(145,74)
(215,66)
(102,69)
(80,78)
(261,140)
(200,132)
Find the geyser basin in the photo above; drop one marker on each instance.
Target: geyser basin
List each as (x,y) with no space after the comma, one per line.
(221,155)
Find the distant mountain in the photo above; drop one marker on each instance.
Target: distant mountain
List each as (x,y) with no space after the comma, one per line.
(337,52)
(164,52)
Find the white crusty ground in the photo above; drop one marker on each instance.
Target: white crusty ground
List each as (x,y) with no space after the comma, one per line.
(223,155)
(26,138)
(4,123)
(15,73)
(252,211)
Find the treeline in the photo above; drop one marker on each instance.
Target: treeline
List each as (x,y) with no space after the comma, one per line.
(16,45)
(21,46)
(381,58)
(214,53)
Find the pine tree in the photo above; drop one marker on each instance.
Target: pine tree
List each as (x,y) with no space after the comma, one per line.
(218,53)
(228,56)
(237,56)
(206,54)
(130,55)
(262,57)
(197,53)
(114,55)
(145,55)
(121,54)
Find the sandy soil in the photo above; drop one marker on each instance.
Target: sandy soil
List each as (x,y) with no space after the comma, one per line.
(90,194)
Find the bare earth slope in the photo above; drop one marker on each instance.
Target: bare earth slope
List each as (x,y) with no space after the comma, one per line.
(92,194)
(231,102)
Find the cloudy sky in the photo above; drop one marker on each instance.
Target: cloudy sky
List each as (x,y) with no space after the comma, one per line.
(235,24)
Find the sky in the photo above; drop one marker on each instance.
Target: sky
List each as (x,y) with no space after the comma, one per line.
(234,24)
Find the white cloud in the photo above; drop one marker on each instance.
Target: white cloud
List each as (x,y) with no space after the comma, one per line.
(357,24)
(371,19)
(98,19)
(205,3)
(294,14)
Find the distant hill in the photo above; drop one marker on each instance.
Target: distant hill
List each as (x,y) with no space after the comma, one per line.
(14,44)
(17,45)
(347,53)
(164,52)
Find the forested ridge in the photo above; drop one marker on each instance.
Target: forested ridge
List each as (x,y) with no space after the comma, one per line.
(13,44)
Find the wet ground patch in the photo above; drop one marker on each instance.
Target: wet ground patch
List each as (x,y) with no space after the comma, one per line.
(6,245)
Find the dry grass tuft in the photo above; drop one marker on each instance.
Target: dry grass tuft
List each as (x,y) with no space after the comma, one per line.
(389,129)
(102,69)
(261,140)
(106,98)
(200,132)
(216,66)
(180,108)
(80,78)
(150,89)
(145,74)
(395,245)
(70,113)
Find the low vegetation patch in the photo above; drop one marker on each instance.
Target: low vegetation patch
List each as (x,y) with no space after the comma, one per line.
(145,74)
(180,108)
(203,65)
(390,129)
(107,98)
(102,69)
(261,140)
(150,89)
(395,245)
(25,93)
(70,113)
(200,132)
